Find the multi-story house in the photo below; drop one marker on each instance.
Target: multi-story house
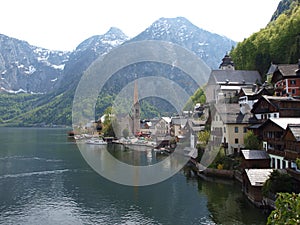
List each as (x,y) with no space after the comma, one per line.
(291,140)
(229,126)
(250,95)
(286,79)
(273,133)
(162,127)
(276,107)
(225,83)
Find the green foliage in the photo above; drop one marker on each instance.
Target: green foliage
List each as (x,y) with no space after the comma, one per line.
(279,42)
(203,137)
(298,163)
(108,128)
(197,97)
(251,141)
(223,161)
(287,210)
(12,105)
(277,182)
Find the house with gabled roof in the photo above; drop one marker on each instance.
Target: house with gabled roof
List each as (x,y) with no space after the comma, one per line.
(286,79)
(272,132)
(250,95)
(253,181)
(291,138)
(255,159)
(229,125)
(226,82)
(276,107)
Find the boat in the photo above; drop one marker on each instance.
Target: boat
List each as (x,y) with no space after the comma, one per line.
(163,151)
(95,141)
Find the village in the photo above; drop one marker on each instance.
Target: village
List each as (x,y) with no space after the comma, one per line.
(237,102)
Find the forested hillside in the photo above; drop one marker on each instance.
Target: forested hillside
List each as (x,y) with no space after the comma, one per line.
(279,42)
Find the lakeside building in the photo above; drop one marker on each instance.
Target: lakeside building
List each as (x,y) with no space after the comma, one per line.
(285,78)
(225,83)
(255,159)
(253,181)
(276,107)
(229,126)
(250,95)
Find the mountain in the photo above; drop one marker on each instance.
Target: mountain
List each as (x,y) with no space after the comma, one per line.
(86,52)
(54,107)
(278,42)
(283,7)
(26,68)
(208,46)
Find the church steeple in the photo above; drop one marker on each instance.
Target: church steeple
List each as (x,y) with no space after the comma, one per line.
(136,94)
(136,110)
(227,63)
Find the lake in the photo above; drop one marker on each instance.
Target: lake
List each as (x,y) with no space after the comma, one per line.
(44,179)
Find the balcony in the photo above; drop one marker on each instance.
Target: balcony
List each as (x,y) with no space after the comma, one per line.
(291,155)
(276,152)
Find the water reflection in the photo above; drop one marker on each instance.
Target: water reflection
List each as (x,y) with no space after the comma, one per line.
(131,166)
(44,180)
(226,202)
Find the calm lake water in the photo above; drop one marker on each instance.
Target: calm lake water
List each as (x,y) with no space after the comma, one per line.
(45,180)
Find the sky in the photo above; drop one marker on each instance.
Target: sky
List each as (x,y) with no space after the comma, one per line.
(64,24)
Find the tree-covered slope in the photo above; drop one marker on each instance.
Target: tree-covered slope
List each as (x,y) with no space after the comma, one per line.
(279,42)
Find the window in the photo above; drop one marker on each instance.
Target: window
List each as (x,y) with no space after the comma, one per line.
(245,129)
(224,129)
(236,141)
(236,130)
(275,115)
(293,91)
(292,82)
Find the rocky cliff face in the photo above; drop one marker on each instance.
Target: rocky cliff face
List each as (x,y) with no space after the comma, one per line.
(26,68)
(208,46)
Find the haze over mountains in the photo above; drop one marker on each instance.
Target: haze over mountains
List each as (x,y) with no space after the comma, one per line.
(31,69)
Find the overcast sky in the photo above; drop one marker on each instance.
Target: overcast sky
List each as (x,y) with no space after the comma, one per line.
(63,24)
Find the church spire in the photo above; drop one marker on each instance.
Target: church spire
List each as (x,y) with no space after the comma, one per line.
(136,110)
(136,95)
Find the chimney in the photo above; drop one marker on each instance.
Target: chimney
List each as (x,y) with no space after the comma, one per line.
(254,87)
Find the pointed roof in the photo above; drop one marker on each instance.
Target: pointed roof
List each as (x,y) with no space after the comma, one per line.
(294,129)
(136,95)
(258,177)
(255,154)
(242,77)
(226,61)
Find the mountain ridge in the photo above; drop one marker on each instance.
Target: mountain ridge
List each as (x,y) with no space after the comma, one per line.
(55,106)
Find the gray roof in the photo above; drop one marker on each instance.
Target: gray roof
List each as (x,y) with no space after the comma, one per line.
(258,177)
(283,122)
(179,121)
(272,69)
(288,70)
(236,76)
(295,129)
(230,114)
(255,154)
(196,125)
(285,69)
